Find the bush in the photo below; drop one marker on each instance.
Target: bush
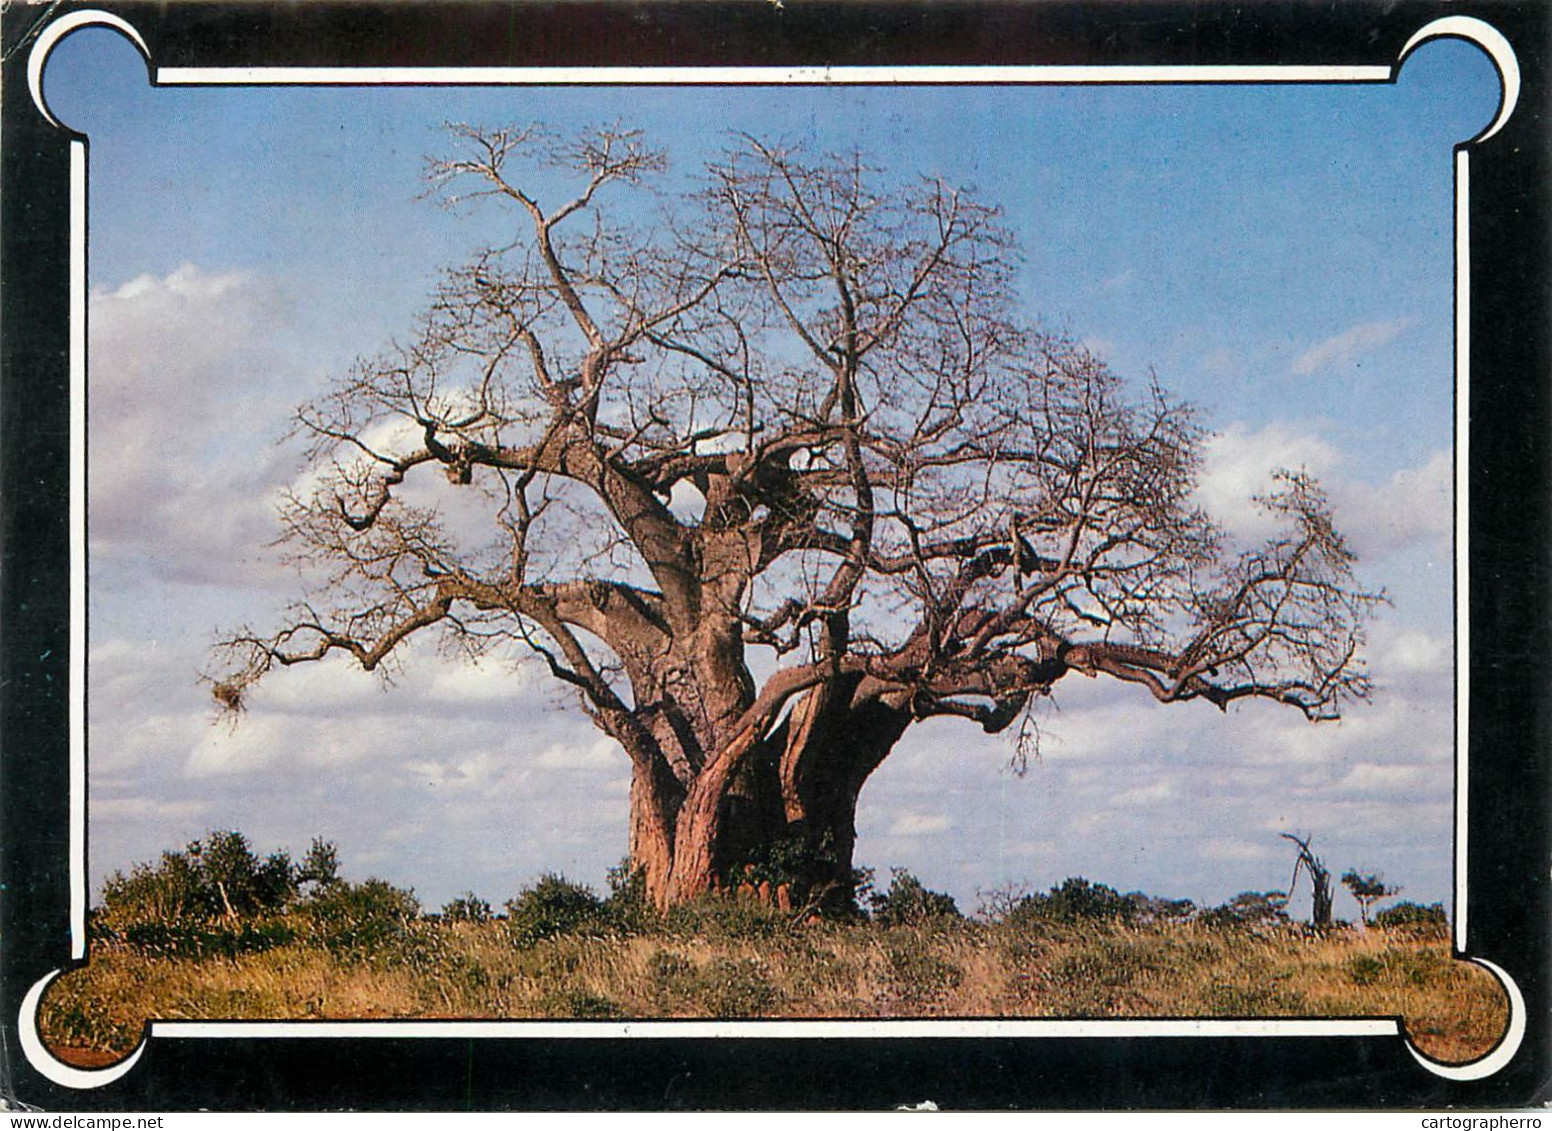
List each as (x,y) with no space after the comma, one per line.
(578,1004)
(467,908)
(195,939)
(725,917)
(920,977)
(724,987)
(365,920)
(626,906)
(1073,900)
(908,902)
(1150,909)
(1249,909)
(670,978)
(555,906)
(1365,969)
(803,865)
(1415,919)
(171,890)
(243,883)
(736,987)
(216,876)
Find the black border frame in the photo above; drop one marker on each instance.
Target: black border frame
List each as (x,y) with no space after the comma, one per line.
(1510,788)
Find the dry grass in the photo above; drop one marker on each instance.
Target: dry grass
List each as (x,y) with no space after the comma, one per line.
(1453,1010)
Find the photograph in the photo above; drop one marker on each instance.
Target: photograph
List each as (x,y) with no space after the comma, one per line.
(767,556)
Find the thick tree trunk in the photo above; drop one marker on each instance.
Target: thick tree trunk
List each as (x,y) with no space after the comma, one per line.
(781,807)
(654,800)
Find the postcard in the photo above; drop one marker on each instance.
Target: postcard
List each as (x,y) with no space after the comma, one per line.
(773,555)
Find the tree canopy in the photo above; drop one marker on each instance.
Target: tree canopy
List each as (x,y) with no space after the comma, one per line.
(645,434)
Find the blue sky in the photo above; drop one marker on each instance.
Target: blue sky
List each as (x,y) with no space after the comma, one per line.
(1279,255)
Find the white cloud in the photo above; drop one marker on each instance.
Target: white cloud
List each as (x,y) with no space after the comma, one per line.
(603,752)
(275,741)
(1349,345)
(1239,465)
(480,682)
(1411,652)
(909,824)
(187,397)
(1415,505)
(1368,778)
(1158,793)
(1234,849)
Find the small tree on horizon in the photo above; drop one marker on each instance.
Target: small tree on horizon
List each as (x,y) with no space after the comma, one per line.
(796,414)
(1367,890)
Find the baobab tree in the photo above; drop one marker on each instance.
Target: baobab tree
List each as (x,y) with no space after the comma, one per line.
(790,423)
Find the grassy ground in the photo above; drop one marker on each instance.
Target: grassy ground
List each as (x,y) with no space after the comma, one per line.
(761,967)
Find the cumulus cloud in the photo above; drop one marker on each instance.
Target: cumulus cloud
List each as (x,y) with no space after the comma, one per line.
(601,753)
(1348,346)
(1182,800)
(441,783)
(1414,506)
(1410,652)
(185,376)
(1239,464)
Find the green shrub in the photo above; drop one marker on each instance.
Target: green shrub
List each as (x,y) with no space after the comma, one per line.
(626,907)
(244,884)
(170,890)
(908,902)
(726,917)
(555,906)
(372,919)
(1249,909)
(804,865)
(670,977)
(201,938)
(731,988)
(1415,919)
(725,987)
(467,908)
(214,877)
(1073,900)
(1150,909)
(1421,968)
(578,1004)
(1365,969)
(919,976)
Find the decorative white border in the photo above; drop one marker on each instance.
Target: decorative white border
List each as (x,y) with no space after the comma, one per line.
(78,556)
(1484,35)
(756,76)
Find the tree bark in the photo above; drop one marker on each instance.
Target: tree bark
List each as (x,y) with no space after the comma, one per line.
(780,807)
